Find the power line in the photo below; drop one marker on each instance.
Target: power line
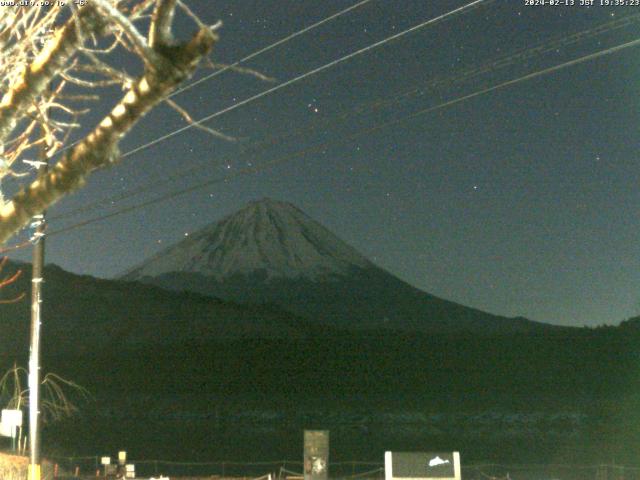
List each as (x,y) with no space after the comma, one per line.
(541,48)
(464,75)
(252,55)
(267,48)
(303,76)
(426,23)
(352,136)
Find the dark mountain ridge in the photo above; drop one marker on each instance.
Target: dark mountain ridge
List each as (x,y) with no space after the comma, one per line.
(86,314)
(364,299)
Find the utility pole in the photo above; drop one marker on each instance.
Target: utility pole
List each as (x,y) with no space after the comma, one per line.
(34,356)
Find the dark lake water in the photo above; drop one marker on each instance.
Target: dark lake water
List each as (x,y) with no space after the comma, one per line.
(237,432)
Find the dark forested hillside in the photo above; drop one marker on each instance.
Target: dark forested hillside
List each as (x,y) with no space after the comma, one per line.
(155,357)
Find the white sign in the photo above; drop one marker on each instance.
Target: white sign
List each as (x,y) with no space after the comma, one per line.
(130,471)
(12,417)
(105,460)
(9,422)
(7,430)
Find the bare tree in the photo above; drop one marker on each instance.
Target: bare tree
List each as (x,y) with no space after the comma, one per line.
(59,396)
(52,60)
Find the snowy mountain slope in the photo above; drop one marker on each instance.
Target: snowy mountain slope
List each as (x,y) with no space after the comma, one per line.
(272,237)
(271,252)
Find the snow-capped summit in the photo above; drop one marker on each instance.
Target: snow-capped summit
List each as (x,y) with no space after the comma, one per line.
(266,236)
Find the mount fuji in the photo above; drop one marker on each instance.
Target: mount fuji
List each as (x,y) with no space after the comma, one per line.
(271,252)
(273,238)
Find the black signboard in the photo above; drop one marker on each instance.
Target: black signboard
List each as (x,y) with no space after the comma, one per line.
(422,465)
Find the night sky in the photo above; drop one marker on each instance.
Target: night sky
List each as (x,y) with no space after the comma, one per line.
(521,201)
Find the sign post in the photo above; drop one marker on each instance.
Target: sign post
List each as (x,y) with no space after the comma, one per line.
(316,454)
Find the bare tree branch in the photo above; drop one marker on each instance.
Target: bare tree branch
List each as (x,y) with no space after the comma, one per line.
(54,63)
(184,114)
(59,395)
(162,19)
(100,148)
(51,60)
(135,37)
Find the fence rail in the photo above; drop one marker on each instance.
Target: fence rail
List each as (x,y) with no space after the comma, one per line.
(86,468)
